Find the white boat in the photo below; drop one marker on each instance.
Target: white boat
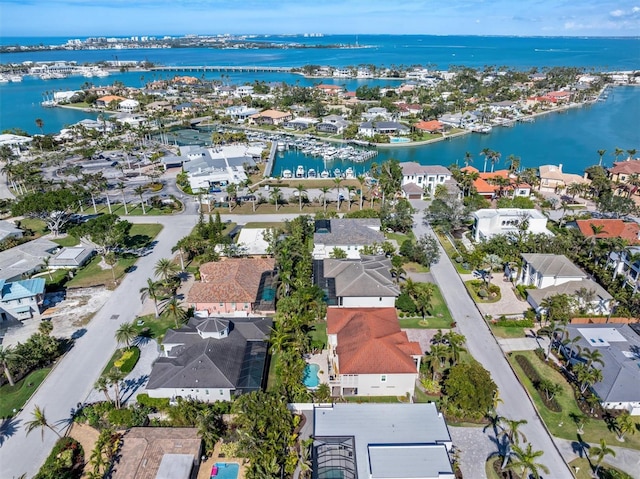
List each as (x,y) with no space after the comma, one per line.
(337,173)
(286,174)
(300,171)
(15,78)
(280,146)
(3,80)
(348,173)
(102,73)
(311,173)
(324,174)
(484,129)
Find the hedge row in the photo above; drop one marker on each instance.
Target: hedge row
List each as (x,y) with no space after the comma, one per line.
(535,379)
(66,461)
(515,323)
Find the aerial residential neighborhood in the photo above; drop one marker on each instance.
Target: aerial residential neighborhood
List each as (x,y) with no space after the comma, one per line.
(218,278)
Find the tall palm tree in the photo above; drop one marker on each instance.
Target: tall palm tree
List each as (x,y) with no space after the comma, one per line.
(126,333)
(165,269)
(102,385)
(487,153)
(511,429)
(337,182)
(301,191)
(275,195)
(350,192)
(114,377)
(324,190)
(455,342)
(617,152)
(139,190)
(152,291)
(40,124)
(121,187)
(592,356)
(361,179)
(601,154)
(600,452)
(632,152)
(174,310)
(8,356)
(39,421)
(468,158)
(624,425)
(526,462)
(514,162)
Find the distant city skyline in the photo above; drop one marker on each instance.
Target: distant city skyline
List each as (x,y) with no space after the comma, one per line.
(454,17)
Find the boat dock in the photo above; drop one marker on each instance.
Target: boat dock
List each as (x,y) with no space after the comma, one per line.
(270,160)
(223,68)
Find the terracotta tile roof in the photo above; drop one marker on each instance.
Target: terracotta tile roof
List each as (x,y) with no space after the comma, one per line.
(433,125)
(234,280)
(110,98)
(628,167)
(370,341)
(275,114)
(612,228)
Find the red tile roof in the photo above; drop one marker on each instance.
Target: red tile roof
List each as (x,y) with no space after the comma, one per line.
(628,167)
(613,228)
(433,125)
(370,341)
(234,280)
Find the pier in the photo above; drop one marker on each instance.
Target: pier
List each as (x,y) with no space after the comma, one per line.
(227,68)
(271,159)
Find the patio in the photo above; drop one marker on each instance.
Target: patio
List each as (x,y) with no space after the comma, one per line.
(322,360)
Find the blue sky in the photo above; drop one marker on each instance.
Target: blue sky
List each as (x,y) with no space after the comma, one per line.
(438,17)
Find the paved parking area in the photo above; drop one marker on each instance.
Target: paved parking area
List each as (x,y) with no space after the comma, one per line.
(509,303)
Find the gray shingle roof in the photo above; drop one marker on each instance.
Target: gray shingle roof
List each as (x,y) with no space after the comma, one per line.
(367,277)
(554,265)
(208,363)
(360,231)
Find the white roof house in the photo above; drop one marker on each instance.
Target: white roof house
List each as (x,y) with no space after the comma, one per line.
(381,441)
(207,167)
(507,221)
(252,241)
(128,105)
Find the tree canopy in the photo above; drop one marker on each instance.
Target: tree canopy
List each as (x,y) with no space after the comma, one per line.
(54,207)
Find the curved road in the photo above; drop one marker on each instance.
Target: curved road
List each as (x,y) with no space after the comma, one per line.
(483,347)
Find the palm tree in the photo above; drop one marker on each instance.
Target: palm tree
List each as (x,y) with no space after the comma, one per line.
(40,124)
(514,163)
(350,192)
(151,291)
(486,152)
(601,154)
(174,310)
(632,152)
(39,421)
(468,158)
(275,195)
(617,152)
(550,388)
(337,182)
(301,191)
(126,333)
(8,356)
(580,420)
(121,187)
(361,179)
(526,462)
(424,295)
(324,190)
(114,377)
(165,269)
(139,190)
(455,342)
(495,158)
(511,430)
(601,452)
(102,384)
(592,356)
(587,376)
(624,425)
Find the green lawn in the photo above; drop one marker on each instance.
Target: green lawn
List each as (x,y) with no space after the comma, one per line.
(67,241)
(584,469)
(399,237)
(430,322)
(38,226)
(374,399)
(272,378)
(116,355)
(478,299)
(415,267)
(439,308)
(133,209)
(319,333)
(560,424)
(156,327)
(451,251)
(263,224)
(14,397)
(423,397)
(502,332)
(142,234)
(93,275)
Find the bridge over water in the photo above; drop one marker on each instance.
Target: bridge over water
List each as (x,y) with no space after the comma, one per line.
(223,68)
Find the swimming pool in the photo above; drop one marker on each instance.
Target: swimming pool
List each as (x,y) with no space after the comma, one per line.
(227,470)
(398,139)
(268,294)
(311,379)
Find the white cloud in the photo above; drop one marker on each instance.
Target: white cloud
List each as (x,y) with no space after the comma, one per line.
(617,13)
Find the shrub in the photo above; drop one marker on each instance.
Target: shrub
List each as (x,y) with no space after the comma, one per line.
(229,449)
(155,403)
(66,461)
(406,304)
(128,360)
(125,356)
(537,380)
(121,417)
(515,323)
(431,386)
(482,293)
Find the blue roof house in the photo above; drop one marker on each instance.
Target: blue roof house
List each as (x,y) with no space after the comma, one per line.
(20,300)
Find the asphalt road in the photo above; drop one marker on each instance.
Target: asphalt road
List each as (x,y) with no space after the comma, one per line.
(482,345)
(72,379)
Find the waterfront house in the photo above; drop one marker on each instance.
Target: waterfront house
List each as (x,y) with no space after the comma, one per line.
(381,441)
(497,183)
(357,283)
(610,228)
(368,354)
(128,106)
(330,90)
(348,234)
(270,117)
(433,126)
(217,167)
(619,345)
(489,222)
(158,453)
(239,113)
(108,100)
(300,123)
(377,113)
(234,286)
(333,124)
(426,177)
(371,128)
(624,172)
(553,179)
(20,300)
(211,359)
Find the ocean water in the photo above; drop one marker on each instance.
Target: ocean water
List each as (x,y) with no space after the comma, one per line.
(570,138)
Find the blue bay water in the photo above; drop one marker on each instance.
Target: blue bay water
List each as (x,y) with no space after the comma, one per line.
(570,138)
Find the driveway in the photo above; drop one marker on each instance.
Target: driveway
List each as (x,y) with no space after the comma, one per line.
(474,447)
(482,345)
(509,303)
